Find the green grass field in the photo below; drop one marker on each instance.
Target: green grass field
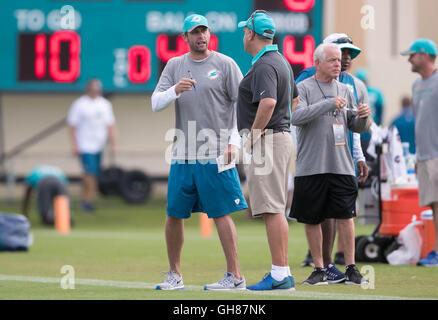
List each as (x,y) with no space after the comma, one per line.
(119,253)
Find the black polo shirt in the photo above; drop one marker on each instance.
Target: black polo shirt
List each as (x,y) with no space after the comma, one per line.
(270,76)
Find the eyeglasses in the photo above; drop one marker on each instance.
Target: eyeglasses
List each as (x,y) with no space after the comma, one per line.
(344,40)
(252,17)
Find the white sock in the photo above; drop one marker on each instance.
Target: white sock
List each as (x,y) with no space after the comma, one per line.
(279,273)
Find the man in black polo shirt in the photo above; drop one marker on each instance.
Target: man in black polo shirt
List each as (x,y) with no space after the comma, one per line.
(267,96)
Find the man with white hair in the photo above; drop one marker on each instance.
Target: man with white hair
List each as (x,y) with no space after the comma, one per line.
(349,52)
(325,185)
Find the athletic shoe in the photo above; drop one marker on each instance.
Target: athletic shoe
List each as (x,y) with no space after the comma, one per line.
(317,278)
(308,261)
(339,258)
(87,207)
(269,283)
(353,276)
(430,261)
(229,282)
(172,282)
(334,275)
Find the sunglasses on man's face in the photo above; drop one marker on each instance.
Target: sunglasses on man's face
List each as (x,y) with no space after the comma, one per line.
(252,17)
(344,40)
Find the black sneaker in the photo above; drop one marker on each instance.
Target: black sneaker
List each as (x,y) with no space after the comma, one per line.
(353,276)
(317,278)
(308,261)
(339,258)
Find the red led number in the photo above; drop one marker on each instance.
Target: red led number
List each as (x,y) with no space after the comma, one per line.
(299,5)
(55,71)
(40,56)
(55,62)
(139,64)
(304,57)
(182,47)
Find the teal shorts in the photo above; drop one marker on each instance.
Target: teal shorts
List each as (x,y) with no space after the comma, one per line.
(91,163)
(198,187)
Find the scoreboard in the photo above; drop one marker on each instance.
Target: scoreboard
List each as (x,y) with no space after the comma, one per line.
(57,45)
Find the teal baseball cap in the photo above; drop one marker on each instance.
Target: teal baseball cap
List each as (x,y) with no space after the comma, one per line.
(421,45)
(343,41)
(193,21)
(261,23)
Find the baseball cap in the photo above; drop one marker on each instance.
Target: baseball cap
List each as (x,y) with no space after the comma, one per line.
(343,41)
(263,24)
(421,45)
(193,21)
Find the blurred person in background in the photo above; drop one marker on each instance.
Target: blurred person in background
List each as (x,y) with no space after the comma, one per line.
(405,124)
(48,182)
(91,122)
(422,57)
(377,105)
(203,85)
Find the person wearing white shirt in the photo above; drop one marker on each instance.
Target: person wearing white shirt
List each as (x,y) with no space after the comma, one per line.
(91,122)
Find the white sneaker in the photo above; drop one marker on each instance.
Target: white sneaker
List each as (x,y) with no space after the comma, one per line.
(229,282)
(172,282)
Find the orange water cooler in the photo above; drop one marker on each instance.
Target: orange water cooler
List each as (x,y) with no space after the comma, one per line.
(398,212)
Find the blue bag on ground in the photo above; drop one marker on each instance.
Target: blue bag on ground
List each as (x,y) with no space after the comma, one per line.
(14,232)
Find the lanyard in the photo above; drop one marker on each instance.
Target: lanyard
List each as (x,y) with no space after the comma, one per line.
(335,113)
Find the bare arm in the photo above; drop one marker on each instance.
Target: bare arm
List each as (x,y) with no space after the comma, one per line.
(112,137)
(72,131)
(263,115)
(26,200)
(295,103)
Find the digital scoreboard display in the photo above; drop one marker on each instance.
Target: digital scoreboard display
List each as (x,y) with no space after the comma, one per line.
(56,45)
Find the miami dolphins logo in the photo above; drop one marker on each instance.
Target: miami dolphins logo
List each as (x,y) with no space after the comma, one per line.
(213,74)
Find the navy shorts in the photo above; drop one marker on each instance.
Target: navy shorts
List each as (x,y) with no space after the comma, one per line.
(324,196)
(198,187)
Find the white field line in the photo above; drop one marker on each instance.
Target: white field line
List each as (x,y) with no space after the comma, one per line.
(146,236)
(144,285)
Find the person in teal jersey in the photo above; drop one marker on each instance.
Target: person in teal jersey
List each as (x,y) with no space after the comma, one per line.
(405,123)
(375,96)
(48,182)
(377,101)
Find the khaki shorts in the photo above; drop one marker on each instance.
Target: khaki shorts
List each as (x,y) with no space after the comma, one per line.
(427,173)
(268,173)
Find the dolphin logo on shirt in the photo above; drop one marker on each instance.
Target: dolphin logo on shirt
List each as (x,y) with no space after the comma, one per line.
(213,74)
